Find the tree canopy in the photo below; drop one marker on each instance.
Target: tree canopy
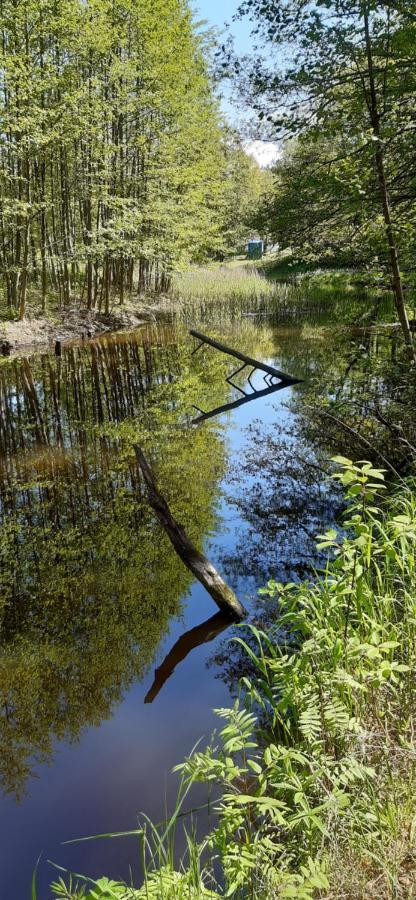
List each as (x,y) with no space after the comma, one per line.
(113,155)
(344,75)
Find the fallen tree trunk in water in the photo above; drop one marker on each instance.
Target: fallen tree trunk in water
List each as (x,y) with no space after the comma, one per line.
(195,561)
(247,360)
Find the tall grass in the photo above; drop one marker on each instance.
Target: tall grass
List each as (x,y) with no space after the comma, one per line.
(316,762)
(205,289)
(225,292)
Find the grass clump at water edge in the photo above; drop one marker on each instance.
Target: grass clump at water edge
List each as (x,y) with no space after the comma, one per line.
(216,292)
(316,761)
(204,290)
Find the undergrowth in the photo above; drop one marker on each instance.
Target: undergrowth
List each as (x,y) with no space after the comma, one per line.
(315,763)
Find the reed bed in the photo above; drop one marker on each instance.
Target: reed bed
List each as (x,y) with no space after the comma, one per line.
(225,292)
(204,292)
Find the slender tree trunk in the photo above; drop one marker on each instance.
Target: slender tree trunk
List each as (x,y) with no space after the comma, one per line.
(25,261)
(396,278)
(43,240)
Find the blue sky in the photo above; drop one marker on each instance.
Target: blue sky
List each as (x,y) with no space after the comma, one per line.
(219,12)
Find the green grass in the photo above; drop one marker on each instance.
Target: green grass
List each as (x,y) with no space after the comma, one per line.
(315,763)
(251,290)
(211,285)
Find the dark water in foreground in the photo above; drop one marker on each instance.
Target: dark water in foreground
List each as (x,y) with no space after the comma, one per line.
(93,596)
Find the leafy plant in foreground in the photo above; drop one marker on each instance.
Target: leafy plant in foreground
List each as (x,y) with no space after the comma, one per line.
(316,761)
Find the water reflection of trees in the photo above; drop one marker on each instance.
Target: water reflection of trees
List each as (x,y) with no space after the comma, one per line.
(280,486)
(49,402)
(362,403)
(88,582)
(287,500)
(284,498)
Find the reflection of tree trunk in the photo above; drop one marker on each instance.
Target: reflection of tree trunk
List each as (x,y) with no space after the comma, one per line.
(96,388)
(33,402)
(195,561)
(202,634)
(56,407)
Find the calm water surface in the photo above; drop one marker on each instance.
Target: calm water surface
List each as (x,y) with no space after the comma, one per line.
(94,597)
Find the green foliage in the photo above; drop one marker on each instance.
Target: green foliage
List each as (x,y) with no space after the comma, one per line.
(324,204)
(316,758)
(112,153)
(344,84)
(246,189)
(162,885)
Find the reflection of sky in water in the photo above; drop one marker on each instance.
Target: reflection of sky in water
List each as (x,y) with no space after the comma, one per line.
(271,411)
(121,767)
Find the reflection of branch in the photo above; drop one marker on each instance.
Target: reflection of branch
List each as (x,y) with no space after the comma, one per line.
(356,434)
(271,376)
(394,429)
(236,403)
(247,360)
(201,634)
(195,561)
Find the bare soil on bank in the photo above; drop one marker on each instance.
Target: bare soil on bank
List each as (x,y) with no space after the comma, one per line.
(36,332)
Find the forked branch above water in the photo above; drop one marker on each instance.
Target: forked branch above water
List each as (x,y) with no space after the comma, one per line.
(273,378)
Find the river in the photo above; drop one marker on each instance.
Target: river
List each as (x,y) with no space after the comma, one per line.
(94,598)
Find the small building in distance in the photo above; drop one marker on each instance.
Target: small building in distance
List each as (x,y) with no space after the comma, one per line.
(255,248)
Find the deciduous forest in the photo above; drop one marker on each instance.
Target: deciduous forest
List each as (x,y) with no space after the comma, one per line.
(207,399)
(115,165)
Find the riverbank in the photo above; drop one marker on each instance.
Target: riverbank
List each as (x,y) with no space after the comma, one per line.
(245,289)
(37,332)
(236,281)
(315,766)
